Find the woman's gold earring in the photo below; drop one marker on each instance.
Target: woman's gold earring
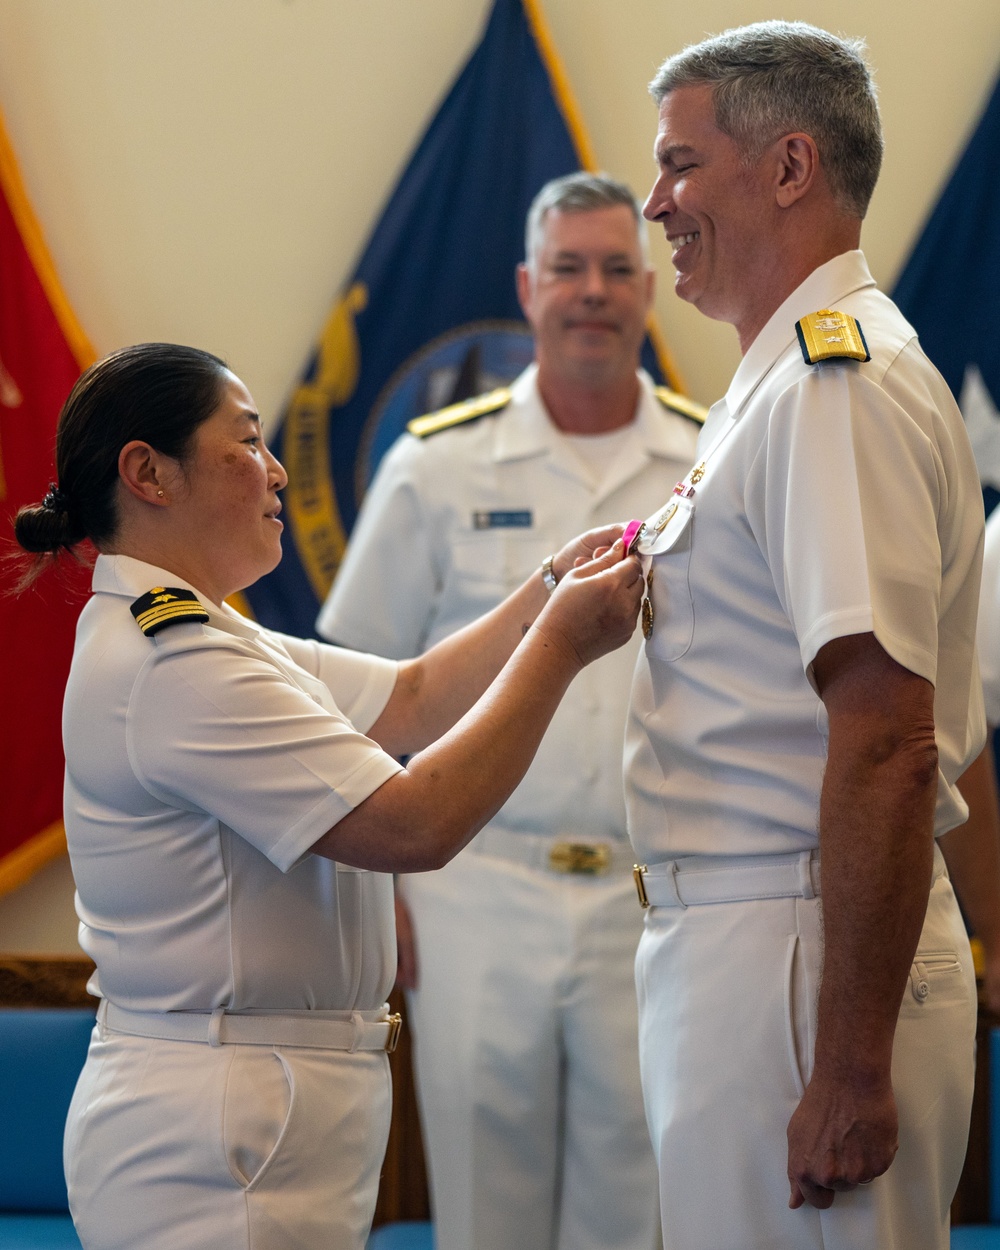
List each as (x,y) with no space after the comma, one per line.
(160,493)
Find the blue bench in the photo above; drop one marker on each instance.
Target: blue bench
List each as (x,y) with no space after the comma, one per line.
(404,1236)
(41,1053)
(976,1237)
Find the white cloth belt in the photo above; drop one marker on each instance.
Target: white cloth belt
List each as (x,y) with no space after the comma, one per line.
(696,879)
(727,879)
(319,1030)
(576,857)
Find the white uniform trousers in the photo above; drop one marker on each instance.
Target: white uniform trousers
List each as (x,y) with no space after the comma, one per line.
(727,995)
(183,1146)
(526,1054)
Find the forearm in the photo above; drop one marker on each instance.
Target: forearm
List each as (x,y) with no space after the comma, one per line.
(439,687)
(435,689)
(876,847)
(420,818)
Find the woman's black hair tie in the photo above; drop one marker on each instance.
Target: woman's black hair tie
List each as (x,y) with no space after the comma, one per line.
(55,500)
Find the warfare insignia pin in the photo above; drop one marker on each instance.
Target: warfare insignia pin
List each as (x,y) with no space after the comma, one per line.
(166,605)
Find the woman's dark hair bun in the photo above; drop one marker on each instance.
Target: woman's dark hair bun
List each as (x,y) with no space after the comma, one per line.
(40,529)
(157,393)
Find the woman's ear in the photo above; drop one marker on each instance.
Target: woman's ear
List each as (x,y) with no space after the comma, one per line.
(143,472)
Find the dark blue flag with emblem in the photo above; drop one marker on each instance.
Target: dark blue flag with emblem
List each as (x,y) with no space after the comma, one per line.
(950,291)
(430,316)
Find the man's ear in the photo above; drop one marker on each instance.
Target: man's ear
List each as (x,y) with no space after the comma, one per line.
(523,279)
(141,469)
(797,168)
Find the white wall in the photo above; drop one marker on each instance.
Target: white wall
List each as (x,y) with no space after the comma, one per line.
(207,170)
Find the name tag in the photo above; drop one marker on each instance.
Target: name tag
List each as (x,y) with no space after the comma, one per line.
(501,520)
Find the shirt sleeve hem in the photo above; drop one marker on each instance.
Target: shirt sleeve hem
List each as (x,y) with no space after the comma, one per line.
(377,691)
(296,842)
(860,621)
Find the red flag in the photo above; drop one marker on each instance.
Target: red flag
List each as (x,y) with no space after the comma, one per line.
(42,352)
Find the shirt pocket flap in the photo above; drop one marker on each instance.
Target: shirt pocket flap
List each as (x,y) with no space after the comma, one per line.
(668,528)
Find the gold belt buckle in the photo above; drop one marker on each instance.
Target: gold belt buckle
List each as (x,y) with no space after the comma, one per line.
(580,857)
(395,1023)
(640,886)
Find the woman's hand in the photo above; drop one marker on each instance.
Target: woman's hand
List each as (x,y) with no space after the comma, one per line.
(594,608)
(435,689)
(584,548)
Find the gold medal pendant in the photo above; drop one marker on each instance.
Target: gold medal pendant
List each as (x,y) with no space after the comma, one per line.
(647,608)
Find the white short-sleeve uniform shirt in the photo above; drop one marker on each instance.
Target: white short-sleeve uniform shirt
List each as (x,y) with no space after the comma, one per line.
(989,620)
(830,500)
(201,765)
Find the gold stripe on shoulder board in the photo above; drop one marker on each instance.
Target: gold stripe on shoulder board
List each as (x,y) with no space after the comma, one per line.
(681,404)
(831,335)
(458,414)
(166,605)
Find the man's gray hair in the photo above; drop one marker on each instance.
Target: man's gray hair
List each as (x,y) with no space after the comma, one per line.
(579,193)
(773,78)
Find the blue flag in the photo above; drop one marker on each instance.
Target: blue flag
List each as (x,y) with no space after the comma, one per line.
(430,316)
(950,291)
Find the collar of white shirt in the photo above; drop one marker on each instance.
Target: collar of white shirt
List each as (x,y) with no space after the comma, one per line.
(527,430)
(130,578)
(825,287)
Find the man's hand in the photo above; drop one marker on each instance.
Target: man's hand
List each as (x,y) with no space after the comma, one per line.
(839,1137)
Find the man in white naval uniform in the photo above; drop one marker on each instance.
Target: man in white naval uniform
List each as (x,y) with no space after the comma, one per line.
(808,693)
(523,1008)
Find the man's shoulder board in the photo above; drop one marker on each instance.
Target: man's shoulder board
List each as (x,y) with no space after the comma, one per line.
(166,605)
(830,335)
(459,414)
(681,404)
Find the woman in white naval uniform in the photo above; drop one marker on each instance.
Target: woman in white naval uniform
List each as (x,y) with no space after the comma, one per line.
(233,806)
